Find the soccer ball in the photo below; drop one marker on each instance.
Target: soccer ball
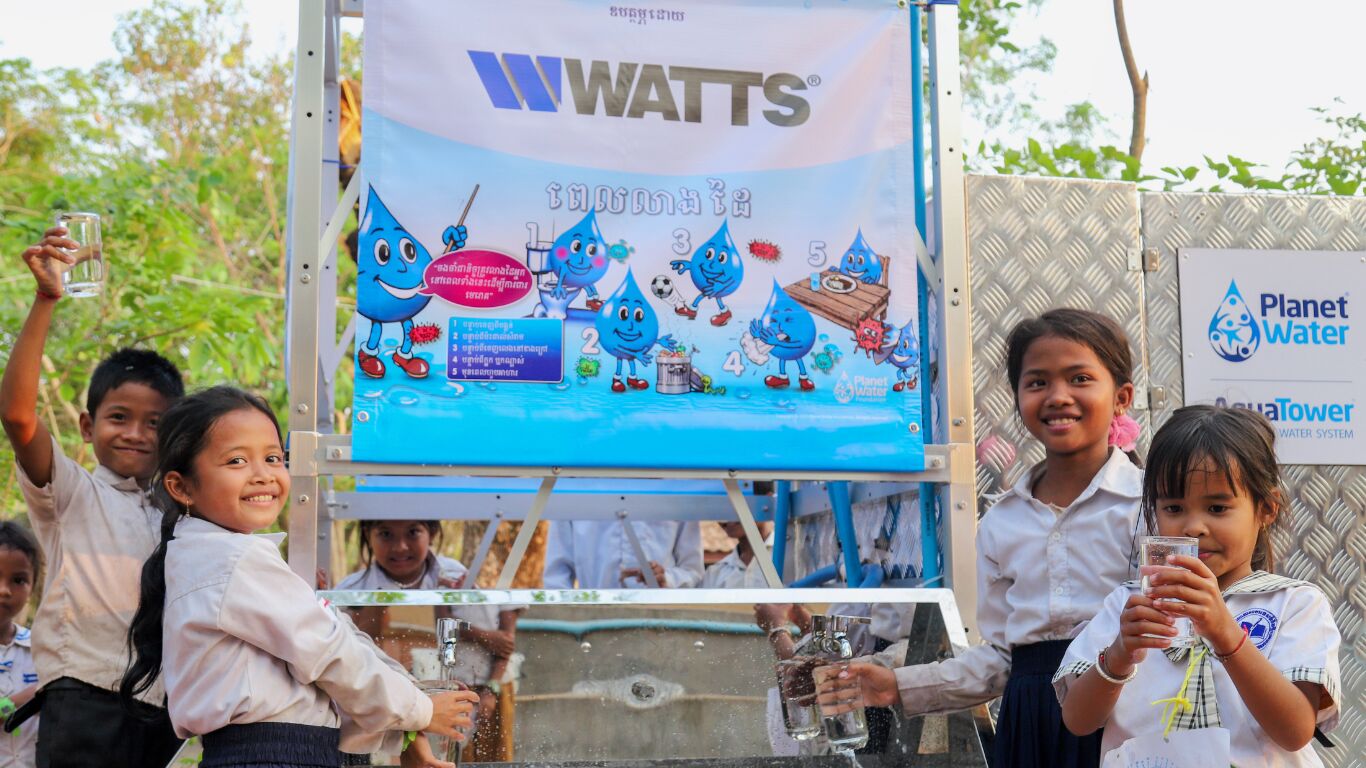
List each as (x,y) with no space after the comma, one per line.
(662,287)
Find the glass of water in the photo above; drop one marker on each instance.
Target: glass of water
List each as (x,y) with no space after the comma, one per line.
(841,707)
(1156,549)
(86,276)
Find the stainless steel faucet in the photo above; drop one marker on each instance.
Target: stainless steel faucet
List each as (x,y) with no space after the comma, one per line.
(447,640)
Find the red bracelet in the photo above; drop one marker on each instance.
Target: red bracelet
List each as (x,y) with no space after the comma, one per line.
(42,294)
(1222,657)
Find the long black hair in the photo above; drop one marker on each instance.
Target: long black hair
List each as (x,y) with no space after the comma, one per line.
(181,434)
(1238,443)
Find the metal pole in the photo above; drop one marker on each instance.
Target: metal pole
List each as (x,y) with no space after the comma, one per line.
(955,319)
(843,512)
(304,229)
(782,513)
(533,518)
(929,523)
(756,541)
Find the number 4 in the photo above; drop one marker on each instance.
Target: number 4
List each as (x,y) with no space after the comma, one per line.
(734,364)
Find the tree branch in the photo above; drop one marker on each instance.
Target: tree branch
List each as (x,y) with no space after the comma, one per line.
(1138,84)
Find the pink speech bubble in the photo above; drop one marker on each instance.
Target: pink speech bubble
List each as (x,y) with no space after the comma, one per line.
(478,279)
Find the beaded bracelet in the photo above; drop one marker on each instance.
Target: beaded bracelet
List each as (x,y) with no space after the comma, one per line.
(1104,672)
(1223,657)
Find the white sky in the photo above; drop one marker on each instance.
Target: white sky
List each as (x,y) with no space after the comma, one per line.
(1228,76)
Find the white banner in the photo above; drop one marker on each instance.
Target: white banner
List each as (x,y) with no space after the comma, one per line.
(1275,331)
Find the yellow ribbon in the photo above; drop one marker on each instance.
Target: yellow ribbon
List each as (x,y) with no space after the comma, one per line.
(1174,706)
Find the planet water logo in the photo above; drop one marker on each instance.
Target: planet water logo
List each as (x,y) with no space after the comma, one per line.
(1238,329)
(844,389)
(1232,331)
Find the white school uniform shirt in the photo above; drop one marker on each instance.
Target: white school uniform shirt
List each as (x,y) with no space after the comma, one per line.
(246,641)
(1040,574)
(1292,627)
(17,750)
(474,663)
(731,573)
(593,552)
(96,530)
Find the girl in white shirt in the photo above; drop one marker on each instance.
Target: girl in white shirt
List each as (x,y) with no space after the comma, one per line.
(18,678)
(253,663)
(399,554)
(1049,549)
(1265,673)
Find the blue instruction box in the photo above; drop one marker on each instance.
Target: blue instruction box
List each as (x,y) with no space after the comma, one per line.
(506,349)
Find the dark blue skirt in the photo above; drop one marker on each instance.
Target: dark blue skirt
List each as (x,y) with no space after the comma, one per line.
(272,745)
(1030,732)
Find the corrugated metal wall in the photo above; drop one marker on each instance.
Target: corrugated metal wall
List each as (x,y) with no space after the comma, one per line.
(1041,243)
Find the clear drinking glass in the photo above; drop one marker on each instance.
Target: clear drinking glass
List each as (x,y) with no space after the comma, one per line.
(86,276)
(443,747)
(797,693)
(845,722)
(1156,549)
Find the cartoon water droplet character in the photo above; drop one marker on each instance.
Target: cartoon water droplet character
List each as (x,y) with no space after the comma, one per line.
(628,329)
(860,262)
(791,331)
(578,259)
(1233,330)
(716,271)
(390,265)
(904,354)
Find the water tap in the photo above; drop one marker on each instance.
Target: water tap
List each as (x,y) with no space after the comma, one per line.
(448,638)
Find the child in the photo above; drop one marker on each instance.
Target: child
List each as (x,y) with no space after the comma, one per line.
(1267,669)
(398,554)
(95,529)
(18,679)
(253,662)
(1048,551)
(599,554)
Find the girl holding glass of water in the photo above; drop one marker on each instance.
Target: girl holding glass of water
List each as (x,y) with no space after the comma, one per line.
(1263,673)
(1048,551)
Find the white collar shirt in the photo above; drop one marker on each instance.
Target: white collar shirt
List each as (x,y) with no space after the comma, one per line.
(1040,574)
(247,641)
(96,530)
(1292,627)
(17,750)
(594,552)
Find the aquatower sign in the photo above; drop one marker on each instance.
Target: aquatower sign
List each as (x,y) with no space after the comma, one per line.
(664,235)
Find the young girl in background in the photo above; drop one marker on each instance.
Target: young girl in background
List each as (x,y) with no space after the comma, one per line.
(1267,669)
(252,661)
(399,554)
(18,678)
(1048,551)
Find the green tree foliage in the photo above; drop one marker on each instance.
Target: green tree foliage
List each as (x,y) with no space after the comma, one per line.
(180,143)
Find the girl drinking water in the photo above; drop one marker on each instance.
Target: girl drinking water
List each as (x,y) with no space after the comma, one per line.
(1265,672)
(252,661)
(1048,551)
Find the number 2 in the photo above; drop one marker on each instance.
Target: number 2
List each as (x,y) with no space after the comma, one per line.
(590,346)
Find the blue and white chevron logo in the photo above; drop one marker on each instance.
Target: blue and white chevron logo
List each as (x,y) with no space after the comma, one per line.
(518,79)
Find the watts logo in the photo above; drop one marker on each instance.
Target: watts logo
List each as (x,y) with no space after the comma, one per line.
(633,90)
(1237,330)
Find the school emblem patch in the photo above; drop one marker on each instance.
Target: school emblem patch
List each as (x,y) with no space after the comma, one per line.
(1260,625)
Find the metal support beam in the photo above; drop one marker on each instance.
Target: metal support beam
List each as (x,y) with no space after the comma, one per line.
(955,316)
(306,195)
(756,540)
(481,554)
(524,536)
(647,574)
